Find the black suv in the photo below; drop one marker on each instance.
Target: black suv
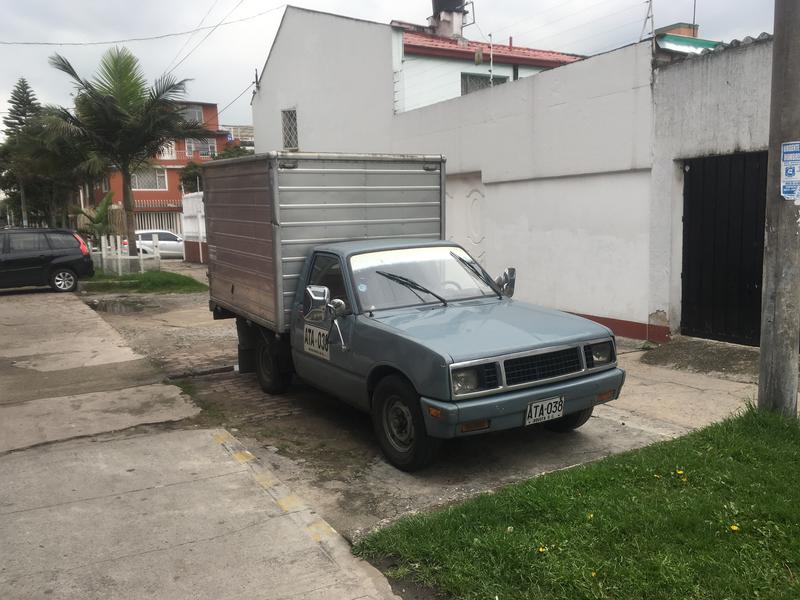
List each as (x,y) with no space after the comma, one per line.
(54,257)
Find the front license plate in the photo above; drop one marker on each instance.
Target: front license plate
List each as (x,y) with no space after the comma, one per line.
(544,410)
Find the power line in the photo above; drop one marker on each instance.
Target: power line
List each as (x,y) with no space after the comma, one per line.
(213,29)
(579,25)
(186,42)
(144,38)
(252,83)
(628,7)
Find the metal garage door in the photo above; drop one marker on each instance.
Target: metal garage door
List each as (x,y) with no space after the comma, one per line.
(723,245)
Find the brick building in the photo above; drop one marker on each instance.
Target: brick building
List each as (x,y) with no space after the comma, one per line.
(157,189)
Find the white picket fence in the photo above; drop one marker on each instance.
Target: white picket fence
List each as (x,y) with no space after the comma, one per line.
(114,258)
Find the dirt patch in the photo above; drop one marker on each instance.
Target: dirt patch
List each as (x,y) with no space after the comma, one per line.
(175,330)
(720,359)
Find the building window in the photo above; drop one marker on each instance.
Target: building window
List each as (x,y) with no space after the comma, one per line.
(289,121)
(203,148)
(105,185)
(148,178)
(167,151)
(472,82)
(193,112)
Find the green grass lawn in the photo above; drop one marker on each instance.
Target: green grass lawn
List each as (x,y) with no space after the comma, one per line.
(715,514)
(150,281)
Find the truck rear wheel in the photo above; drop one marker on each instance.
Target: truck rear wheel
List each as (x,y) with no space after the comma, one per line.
(571,421)
(271,378)
(399,425)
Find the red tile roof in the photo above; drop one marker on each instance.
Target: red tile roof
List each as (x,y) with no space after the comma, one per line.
(433,45)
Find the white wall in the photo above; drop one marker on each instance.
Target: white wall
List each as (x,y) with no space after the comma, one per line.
(550,173)
(712,104)
(335,71)
(426,79)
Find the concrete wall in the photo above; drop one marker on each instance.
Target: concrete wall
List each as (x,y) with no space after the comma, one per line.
(709,105)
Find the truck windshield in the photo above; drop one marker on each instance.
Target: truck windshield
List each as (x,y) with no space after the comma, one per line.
(438,270)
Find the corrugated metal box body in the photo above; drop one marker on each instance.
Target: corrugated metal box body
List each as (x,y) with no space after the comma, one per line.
(265,214)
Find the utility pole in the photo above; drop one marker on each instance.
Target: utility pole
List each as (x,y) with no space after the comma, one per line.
(780,304)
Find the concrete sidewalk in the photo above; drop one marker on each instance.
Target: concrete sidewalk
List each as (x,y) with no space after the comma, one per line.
(64,373)
(185,514)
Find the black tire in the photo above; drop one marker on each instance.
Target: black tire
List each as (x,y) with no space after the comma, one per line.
(63,279)
(571,421)
(271,378)
(399,425)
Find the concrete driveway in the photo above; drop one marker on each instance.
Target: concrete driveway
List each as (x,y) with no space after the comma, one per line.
(97,502)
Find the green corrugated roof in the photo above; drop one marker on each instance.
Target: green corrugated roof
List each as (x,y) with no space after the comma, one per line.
(685,40)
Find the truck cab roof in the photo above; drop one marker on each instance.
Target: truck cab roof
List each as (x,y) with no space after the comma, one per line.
(348,249)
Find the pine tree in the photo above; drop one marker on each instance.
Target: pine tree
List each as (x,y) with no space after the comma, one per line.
(22,106)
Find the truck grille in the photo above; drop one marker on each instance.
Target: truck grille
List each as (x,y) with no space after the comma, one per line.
(488,376)
(542,366)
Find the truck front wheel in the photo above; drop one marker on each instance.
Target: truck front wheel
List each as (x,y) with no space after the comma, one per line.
(399,425)
(268,369)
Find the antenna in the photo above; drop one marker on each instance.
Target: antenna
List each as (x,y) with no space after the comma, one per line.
(648,17)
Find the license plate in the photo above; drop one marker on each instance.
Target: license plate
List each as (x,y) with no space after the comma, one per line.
(544,410)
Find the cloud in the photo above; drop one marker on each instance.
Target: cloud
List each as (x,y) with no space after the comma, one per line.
(223,65)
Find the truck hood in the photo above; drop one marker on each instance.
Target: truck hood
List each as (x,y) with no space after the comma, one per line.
(470,330)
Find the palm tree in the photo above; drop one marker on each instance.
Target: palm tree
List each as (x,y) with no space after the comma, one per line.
(123,120)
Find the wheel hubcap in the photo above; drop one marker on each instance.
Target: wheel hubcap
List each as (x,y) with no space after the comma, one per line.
(64,280)
(398,425)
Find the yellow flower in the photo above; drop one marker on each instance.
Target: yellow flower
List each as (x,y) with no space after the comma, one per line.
(590,516)
(679,472)
(594,573)
(542,549)
(684,479)
(734,527)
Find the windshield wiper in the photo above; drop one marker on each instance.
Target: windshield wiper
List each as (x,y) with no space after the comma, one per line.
(412,285)
(477,273)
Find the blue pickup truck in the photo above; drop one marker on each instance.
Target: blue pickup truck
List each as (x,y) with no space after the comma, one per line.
(410,329)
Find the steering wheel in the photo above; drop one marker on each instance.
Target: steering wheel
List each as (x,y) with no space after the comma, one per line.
(455,284)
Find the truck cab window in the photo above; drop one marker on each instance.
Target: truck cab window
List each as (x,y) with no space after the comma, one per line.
(327,271)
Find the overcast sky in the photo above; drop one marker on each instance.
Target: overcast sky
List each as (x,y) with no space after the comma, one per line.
(223,64)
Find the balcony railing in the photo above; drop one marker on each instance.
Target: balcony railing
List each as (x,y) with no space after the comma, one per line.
(197,155)
(157,204)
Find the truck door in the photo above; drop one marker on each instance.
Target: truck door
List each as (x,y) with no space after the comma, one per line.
(317,351)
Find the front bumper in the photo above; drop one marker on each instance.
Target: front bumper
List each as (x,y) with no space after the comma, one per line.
(507,410)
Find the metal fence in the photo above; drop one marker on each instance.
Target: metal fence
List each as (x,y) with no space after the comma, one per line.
(171,221)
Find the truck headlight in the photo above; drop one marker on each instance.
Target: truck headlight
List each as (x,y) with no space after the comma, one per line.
(599,354)
(465,381)
(476,379)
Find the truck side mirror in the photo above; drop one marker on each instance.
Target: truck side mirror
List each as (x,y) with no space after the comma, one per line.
(315,304)
(507,281)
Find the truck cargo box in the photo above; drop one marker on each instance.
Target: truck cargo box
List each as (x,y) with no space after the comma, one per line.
(265,213)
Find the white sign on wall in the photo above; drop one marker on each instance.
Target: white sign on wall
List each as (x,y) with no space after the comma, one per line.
(790,170)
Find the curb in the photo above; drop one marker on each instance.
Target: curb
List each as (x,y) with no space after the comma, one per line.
(200,372)
(314,526)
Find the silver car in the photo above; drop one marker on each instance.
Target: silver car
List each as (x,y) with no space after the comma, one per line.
(170,245)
